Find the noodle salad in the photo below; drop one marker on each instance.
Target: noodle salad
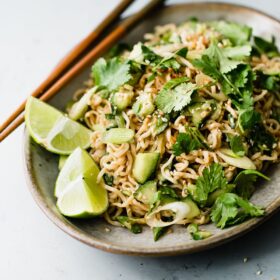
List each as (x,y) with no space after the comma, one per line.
(183,125)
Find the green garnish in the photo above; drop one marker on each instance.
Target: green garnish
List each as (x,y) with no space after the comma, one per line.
(159,232)
(244,182)
(189,141)
(130,224)
(237,33)
(111,74)
(196,233)
(237,146)
(212,178)
(108,179)
(175,95)
(230,209)
(266,47)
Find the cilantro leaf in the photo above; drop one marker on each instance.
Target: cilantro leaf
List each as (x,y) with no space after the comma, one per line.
(237,33)
(223,63)
(187,142)
(265,47)
(111,74)
(208,67)
(244,182)
(212,178)
(171,61)
(236,145)
(248,119)
(230,209)
(175,95)
(238,52)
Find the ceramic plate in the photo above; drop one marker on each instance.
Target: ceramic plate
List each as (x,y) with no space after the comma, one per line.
(41,166)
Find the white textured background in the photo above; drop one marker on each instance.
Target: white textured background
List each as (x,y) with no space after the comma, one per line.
(34,35)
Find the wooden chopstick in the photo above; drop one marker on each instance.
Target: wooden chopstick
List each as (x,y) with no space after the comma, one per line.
(99,49)
(70,58)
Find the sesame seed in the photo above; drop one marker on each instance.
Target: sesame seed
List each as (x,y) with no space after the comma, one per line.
(259,272)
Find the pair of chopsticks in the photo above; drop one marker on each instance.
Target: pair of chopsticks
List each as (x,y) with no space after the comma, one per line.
(78,58)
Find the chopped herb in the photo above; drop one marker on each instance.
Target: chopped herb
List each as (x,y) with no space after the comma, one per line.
(260,138)
(196,233)
(230,209)
(166,190)
(237,33)
(189,141)
(109,180)
(212,178)
(266,47)
(244,182)
(175,95)
(159,232)
(248,119)
(237,146)
(111,74)
(130,224)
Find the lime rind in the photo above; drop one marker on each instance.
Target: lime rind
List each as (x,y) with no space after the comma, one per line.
(78,192)
(51,129)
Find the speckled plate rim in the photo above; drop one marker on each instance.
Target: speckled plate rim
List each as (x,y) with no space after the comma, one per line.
(90,240)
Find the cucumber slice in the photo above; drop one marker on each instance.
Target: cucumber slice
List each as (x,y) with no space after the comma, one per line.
(241,162)
(199,112)
(146,193)
(118,135)
(144,166)
(122,99)
(80,107)
(194,210)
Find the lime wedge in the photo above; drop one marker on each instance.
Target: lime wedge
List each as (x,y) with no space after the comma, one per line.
(79,195)
(50,128)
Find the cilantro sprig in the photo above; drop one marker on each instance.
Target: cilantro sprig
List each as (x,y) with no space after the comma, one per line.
(230,209)
(212,178)
(175,95)
(111,74)
(188,141)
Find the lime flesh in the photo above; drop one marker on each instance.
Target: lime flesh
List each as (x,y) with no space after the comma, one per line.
(50,128)
(78,192)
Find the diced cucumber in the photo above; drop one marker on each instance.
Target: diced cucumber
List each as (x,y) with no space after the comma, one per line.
(196,233)
(118,135)
(98,127)
(217,111)
(122,99)
(144,166)
(144,105)
(146,193)
(80,107)
(194,208)
(199,112)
